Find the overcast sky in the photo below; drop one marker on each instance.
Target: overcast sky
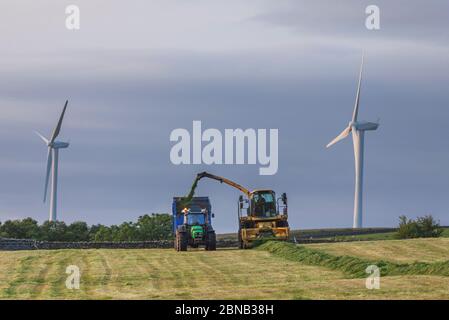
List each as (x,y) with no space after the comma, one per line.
(138,69)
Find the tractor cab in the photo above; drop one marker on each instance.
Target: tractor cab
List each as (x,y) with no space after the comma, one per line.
(192,223)
(195,218)
(196,222)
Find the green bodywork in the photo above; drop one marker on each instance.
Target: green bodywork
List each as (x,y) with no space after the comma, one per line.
(196,232)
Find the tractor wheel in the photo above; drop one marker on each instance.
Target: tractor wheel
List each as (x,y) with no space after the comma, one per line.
(211,242)
(181,241)
(241,244)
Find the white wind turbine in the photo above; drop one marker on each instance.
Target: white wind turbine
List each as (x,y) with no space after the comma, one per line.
(358,129)
(52,163)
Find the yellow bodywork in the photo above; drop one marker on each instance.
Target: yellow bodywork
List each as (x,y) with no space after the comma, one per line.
(263,228)
(257,224)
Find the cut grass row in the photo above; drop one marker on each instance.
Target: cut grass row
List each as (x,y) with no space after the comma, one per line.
(381,236)
(273,271)
(352,266)
(399,251)
(159,274)
(341,234)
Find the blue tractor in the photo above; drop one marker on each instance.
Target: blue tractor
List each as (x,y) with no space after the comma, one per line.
(192,223)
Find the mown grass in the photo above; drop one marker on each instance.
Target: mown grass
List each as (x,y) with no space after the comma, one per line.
(399,251)
(445,233)
(352,266)
(158,274)
(273,271)
(341,234)
(369,236)
(381,236)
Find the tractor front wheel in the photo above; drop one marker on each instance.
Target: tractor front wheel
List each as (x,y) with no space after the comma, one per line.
(181,241)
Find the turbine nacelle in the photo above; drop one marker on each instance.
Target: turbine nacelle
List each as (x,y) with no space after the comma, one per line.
(363,125)
(55,144)
(59,145)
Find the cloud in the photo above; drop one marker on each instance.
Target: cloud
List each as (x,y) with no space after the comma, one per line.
(401,21)
(260,64)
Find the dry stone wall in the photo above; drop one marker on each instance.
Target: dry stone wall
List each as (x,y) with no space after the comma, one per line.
(18,244)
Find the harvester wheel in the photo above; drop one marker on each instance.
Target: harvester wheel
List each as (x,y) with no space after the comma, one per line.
(240,239)
(181,241)
(211,242)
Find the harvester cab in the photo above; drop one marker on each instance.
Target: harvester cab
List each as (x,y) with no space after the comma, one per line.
(262,216)
(192,225)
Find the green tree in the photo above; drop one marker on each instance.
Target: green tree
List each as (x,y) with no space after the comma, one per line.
(428,227)
(77,231)
(147,227)
(53,231)
(103,234)
(154,227)
(422,227)
(20,229)
(93,231)
(127,231)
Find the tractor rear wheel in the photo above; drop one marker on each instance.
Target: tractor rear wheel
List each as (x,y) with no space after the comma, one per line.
(211,241)
(181,241)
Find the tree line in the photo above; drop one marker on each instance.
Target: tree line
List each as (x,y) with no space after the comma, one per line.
(146,228)
(422,227)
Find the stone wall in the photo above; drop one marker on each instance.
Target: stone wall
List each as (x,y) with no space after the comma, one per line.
(17,244)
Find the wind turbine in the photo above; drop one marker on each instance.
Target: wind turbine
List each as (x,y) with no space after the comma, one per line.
(52,163)
(357,128)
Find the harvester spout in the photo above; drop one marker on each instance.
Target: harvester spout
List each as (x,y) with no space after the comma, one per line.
(223,180)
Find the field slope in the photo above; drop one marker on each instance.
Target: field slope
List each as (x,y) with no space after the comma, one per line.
(401,251)
(263,273)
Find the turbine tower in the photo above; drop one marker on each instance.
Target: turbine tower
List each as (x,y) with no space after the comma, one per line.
(52,163)
(357,128)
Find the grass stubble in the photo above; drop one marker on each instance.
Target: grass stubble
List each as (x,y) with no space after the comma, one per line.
(274,270)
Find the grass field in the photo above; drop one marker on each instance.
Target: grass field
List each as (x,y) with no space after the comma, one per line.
(401,251)
(292,272)
(369,236)
(341,234)
(382,236)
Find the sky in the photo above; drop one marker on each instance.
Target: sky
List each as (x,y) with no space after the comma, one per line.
(138,69)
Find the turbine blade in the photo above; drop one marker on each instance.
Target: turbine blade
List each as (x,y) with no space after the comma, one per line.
(58,126)
(42,137)
(357,98)
(341,136)
(47,176)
